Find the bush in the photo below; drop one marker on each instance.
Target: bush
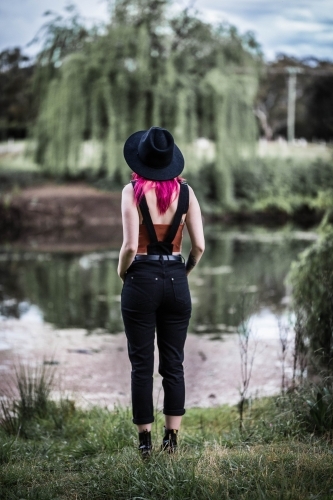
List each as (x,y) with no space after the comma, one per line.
(18,179)
(312,280)
(268,177)
(312,406)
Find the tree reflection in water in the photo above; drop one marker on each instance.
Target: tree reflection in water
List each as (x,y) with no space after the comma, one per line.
(83,290)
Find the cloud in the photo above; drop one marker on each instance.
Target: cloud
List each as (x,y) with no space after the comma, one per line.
(300,27)
(20,20)
(297,27)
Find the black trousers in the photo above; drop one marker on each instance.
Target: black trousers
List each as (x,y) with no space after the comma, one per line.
(156,296)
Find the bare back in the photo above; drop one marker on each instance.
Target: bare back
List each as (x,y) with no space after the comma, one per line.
(156,217)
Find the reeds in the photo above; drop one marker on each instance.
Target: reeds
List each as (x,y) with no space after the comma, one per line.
(28,398)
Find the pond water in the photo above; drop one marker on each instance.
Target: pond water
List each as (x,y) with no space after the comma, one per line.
(242,273)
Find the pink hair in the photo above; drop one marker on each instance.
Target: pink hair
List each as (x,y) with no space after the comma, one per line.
(166,191)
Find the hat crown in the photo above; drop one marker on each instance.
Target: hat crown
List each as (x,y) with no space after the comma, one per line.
(159,139)
(153,154)
(156,148)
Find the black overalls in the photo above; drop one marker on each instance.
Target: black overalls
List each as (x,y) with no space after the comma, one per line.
(156,295)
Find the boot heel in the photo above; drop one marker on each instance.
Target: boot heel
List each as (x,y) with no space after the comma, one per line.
(169,442)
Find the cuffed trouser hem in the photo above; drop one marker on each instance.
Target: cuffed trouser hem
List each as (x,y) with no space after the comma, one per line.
(142,421)
(174,413)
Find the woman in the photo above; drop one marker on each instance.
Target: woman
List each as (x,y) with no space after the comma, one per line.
(155,296)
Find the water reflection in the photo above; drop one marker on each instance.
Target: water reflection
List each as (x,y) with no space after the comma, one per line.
(83,290)
(243,271)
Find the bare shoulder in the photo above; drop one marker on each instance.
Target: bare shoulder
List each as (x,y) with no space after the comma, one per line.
(128,188)
(193,198)
(128,192)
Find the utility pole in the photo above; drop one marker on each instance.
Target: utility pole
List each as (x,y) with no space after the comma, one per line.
(292,72)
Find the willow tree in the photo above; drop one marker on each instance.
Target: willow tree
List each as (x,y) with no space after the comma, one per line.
(232,86)
(106,90)
(62,118)
(235,126)
(148,69)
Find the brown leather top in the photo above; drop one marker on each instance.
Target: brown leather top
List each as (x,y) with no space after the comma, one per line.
(161,232)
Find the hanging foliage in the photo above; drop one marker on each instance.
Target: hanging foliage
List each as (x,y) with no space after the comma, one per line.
(62,119)
(311,277)
(146,70)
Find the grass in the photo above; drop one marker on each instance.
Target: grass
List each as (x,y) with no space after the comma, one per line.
(58,451)
(297,150)
(213,472)
(17,168)
(17,156)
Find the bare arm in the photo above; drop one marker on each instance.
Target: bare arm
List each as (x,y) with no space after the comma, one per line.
(130,218)
(195,229)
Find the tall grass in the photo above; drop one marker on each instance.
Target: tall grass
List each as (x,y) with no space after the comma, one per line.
(312,405)
(28,398)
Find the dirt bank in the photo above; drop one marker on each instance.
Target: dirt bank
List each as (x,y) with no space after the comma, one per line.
(61,218)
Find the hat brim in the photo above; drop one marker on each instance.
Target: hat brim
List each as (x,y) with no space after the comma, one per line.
(133,160)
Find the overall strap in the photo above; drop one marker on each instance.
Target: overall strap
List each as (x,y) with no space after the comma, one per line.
(182,208)
(147,218)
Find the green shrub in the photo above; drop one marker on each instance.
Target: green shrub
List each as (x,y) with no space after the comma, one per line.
(268,177)
(17,179)
(312,407)
(312,281)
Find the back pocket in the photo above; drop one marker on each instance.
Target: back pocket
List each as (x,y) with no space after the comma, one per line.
(137,290)
(181,290)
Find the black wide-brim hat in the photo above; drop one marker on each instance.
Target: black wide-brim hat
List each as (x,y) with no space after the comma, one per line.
(153,154)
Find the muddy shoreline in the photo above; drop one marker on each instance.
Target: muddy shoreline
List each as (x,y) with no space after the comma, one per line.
(93,369)
(55,218)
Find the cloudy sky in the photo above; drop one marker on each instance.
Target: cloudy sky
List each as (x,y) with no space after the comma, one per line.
(296,27)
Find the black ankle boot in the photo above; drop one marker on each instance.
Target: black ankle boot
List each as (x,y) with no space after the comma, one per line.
(169,443)
(145,445)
